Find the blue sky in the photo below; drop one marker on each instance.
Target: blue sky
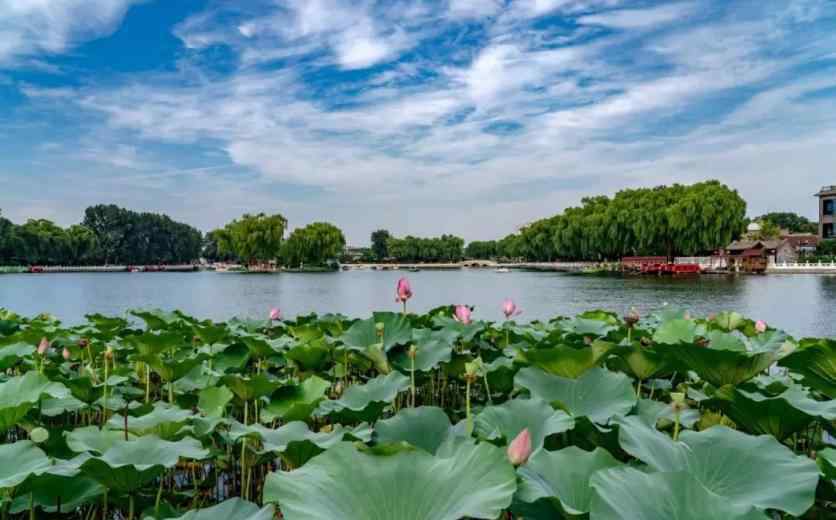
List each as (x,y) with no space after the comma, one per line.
(470,117)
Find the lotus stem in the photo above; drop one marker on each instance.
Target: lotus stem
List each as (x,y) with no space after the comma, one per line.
(147,384)
(412,362)
(487,387)
(32,506)
(639,388)
(243,455)
(131,507)
(676,427)
(171,392)
(159,497)
(104,411)
(104,505)
(467,407)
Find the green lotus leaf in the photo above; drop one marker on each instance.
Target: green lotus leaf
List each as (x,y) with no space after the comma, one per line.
(720,367)
(171,370)
(12,354)
(643,441)
(164,420)
(566,361)
(719,340)
(296,402)
(815,360)
(774,341)
(259,345)
(676,331)
(779,415)
(730,320)
(425,427)
(433,347)
(382,389)
(128,465)
(508,419)
(210,333)
(475,481)
(248,388)
(158,319)
(47,491)
(212,401)
(53,407)
(598,394)
(563,476)
(91,438)
(280,439)
(232,358)
(642,363)
(232,509)
(654,412)
(310,355)
(19,394)
(18,461)
(826,460)
(464,332)
(364,333)
(589,326)
(625,493)
(155,343)
(731,464)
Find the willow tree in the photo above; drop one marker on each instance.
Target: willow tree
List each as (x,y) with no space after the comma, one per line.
(314,245)
(665,220)
(255,239)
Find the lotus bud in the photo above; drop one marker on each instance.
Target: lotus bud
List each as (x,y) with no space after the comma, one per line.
(686,316)
(379,328)
(275,314)
(760,326)
(83,343)
(509,308)
(412,352)
(632,317)
(712,317)
(520,448)
(338,389)
(43,346)
(108,352)
(462,314)
(66,354)
(678,402)
(587,340)
(403,291)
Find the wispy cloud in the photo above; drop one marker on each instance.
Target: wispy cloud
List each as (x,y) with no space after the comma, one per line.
(461,110)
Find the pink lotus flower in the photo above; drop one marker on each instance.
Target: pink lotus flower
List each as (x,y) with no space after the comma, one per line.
(43,346)
(66,353)
(760,326)
(403,291)
(520,448)
(462,314)
(509,308)
(275,314)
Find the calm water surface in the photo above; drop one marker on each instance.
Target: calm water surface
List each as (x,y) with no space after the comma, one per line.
(803,305)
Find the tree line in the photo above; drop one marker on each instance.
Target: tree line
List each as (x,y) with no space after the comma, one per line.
(446,248)
(107,235)
(667,221)
(259,239)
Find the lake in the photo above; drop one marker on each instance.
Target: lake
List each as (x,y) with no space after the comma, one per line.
(803,305)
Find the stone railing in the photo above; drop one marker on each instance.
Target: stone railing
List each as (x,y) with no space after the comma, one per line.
(802,267)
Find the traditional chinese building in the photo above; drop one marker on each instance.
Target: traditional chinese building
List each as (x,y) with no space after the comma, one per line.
(754,256)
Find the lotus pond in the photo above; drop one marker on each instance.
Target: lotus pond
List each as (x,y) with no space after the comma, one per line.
(410,417)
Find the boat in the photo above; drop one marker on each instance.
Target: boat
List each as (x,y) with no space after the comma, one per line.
(413,270)
(503,270)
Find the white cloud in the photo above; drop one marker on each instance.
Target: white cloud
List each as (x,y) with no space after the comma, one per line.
(473,8)
(640,18)
(29,28)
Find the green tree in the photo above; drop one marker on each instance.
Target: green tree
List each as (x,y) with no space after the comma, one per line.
(380,242)
(792,222)
(254,238)
(313,245)
(768,231)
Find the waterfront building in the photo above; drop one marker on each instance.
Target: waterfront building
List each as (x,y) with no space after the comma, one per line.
(827,212)
(754,256)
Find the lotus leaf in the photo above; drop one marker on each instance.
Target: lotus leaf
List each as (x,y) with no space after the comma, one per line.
(599,394)
(476,481)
